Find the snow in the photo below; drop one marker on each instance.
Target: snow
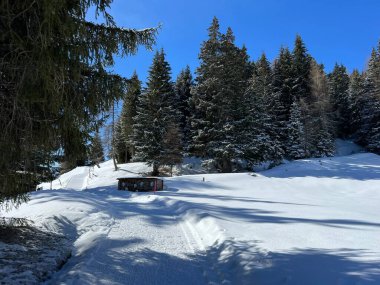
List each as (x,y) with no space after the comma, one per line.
(29,255)
(346,147)
(311,221)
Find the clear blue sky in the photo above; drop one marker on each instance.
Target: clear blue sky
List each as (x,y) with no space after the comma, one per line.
(342,31)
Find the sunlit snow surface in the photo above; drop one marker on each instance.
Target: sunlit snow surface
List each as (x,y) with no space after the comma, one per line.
(312,221)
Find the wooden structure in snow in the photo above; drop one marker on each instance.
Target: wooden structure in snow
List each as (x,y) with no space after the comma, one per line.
(143,184)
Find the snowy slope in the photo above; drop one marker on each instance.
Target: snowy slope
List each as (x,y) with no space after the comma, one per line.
(312,221)
(307,222)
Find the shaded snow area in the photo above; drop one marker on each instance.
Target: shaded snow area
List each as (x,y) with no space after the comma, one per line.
(345,147)
(313,221)
(29,255)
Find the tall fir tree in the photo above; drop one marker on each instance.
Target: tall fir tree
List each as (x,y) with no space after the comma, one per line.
(156,111)
(183,87)
(338,87)
(128,112)
(262,134)
(207,84)
(118,142)
(355,95)
(219,115)
(301,71)
(96,152)
(172,147)
(369,131)
(282,98)
(320,131)
(296,144)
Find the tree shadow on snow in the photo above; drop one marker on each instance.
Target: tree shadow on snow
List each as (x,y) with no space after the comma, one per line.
(120,262)
(316,267)
(159,214)
(238,263)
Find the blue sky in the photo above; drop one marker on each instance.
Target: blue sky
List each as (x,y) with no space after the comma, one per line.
(342,31)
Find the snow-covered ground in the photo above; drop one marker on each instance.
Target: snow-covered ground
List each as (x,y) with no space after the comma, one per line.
(313,221)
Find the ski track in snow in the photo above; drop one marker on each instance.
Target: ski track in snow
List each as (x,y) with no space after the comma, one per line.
(77,181)
(133,250)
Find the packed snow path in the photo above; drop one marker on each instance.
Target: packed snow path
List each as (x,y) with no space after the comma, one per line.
(77,181)
(131,240)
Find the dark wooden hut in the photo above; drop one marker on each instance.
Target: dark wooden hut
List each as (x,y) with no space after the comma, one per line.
(143,184)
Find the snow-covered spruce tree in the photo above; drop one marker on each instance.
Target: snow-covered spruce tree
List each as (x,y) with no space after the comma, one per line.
(228,144)
(283,79)
(118,143)
(355,95)
(296,147)
(156,111)
(310,101)
(319,126)
(128,112)
(183,87)
(249,66)
(261,134)
(219,114)
(207,84)
(96,153)
(172,147)
(54,81)
(282,97)
(369,131)
(300,71)
(338,82)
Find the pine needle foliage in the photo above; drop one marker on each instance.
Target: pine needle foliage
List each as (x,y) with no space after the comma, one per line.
(54,81)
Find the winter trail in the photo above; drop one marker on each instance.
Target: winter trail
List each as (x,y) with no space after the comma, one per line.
(142,243)
(77,181)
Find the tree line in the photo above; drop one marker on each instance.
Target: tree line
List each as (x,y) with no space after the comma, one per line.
(240,112)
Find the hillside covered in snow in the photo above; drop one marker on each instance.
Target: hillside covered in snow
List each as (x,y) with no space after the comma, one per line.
(312,221)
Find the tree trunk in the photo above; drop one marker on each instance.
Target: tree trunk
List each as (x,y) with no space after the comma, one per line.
(226,165)
(113,137)
(155,171)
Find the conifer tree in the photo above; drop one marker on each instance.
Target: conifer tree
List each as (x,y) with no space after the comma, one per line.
(296,147)
(319,128)
(54,80)
(301,71)
(156,111)
(128,112)
(207,84)
(355,96)
(262,135)
(282,98)
(172,147)
(96,153)
(119,145)
(183,87)
(369,131)
(221,82)
(338,87)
